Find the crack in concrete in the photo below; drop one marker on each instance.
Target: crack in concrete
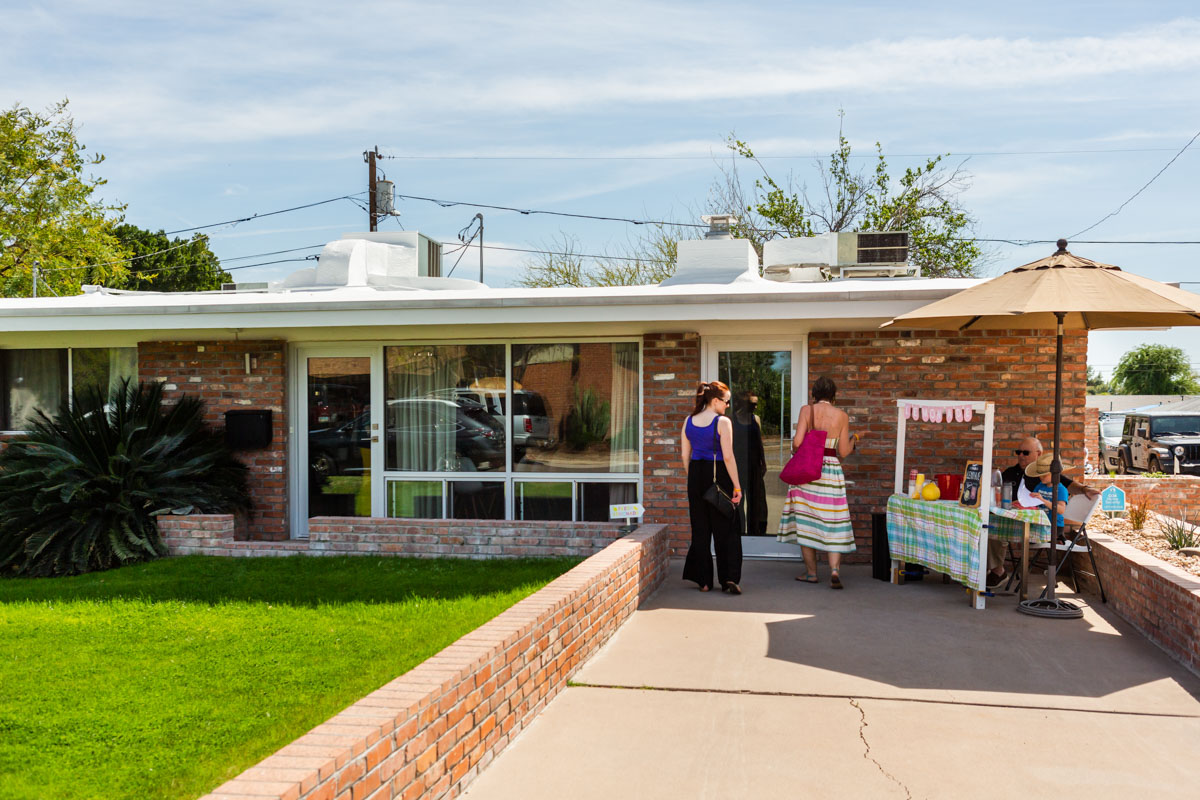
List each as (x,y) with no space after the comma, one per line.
(921,700)
(862,735)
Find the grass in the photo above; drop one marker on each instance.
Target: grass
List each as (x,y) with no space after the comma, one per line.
(165,679)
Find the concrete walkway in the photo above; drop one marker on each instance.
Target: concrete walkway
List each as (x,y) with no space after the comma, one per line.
(875,691)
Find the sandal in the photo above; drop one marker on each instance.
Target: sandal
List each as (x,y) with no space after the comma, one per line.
(731,587)
(835,582)
(808,578)
(705,588)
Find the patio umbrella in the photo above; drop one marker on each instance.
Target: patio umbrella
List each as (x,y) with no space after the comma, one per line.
(1063,290)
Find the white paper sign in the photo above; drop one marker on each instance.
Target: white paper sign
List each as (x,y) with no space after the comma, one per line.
(625,511)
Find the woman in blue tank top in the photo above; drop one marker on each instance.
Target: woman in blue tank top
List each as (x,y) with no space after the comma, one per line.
(706,444)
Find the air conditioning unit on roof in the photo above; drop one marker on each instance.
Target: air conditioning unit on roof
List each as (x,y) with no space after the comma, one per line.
(866,254)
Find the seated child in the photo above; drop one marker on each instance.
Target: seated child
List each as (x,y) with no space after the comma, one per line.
(1042,491)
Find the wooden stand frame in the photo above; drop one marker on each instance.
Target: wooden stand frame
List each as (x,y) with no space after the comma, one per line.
(988,410)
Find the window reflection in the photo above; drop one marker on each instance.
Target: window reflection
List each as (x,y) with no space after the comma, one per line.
(438,416)
(575,407)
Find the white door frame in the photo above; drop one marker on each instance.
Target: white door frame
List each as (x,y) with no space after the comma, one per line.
(298,430)
(761,547)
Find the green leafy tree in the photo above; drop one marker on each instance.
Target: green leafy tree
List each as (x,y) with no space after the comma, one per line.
(925,201)
(49,217)
(1096,383)
(1155,369)
(161,264)
(648,259)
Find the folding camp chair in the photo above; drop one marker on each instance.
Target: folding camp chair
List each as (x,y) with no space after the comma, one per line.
(1074,540)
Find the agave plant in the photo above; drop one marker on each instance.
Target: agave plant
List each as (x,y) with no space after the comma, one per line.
(81,490)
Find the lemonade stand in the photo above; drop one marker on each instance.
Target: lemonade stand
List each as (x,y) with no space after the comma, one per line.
(950,534)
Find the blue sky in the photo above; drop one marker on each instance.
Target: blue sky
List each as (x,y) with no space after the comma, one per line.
(215,111)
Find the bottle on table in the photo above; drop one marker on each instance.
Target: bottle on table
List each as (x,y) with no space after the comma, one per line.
(997,482)
(912,482)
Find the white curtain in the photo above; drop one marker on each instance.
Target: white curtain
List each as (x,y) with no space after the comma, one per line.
(624,418)
(37,379)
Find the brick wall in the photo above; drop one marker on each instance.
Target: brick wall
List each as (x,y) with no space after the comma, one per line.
(670,373)
(1170,496)
(216,373)
(1091,437)
(1159,599)
(214,535)
(429,732)
(1014,369)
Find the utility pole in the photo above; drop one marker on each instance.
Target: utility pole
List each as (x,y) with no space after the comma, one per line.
(372,213)
(480,218)
(36,264)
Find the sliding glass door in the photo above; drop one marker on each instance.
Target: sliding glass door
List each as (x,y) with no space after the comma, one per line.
(768,384)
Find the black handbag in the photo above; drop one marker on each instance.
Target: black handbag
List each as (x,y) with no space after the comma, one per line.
(714,495)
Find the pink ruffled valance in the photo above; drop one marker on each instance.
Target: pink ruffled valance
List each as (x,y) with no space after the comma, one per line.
(937,413)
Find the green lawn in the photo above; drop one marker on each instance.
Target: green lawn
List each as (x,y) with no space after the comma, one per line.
(165,679)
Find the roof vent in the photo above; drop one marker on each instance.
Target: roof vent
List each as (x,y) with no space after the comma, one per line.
(719,225)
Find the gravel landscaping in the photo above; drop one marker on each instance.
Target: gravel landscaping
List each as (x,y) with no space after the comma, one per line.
(1149,539)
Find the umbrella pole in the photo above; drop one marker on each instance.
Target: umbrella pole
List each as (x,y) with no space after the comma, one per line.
(1048,605)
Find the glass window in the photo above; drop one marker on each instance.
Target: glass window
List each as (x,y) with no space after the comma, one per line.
(101,368)
(544,501)
(476,499)
(443,412)
(575,407)
(33,380)
(415,499)
(595,498)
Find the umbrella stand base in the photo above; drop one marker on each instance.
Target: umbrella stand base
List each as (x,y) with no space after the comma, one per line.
(1050,607)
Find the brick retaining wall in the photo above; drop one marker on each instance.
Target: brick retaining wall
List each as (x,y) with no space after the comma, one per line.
(1171,496)
(429,732)
(216,535)
(1159,599)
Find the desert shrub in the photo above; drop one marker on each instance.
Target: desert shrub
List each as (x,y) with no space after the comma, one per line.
(1138,512)
(588,421)
(80,491)
(1179,531)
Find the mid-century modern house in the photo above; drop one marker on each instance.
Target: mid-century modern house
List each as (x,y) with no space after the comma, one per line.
(371,387)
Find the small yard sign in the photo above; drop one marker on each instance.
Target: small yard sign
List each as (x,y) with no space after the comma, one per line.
(1112,499)
(626,511)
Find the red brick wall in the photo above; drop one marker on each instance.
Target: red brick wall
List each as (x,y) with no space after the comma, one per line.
(1159,599)
(1091,437)
(1171,496)
(214,535)
(216,372)
(670,372)
(429,732)
(1014,369)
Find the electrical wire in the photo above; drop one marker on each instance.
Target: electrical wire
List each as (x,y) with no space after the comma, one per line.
(349,197)
(1121,207)
(979,153)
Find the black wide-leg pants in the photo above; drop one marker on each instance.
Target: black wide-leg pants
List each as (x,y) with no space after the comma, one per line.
(711,532)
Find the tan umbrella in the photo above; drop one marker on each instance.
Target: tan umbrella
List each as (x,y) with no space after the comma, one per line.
(1056,292)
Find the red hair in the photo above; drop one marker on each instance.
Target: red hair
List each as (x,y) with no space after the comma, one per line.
(706,393)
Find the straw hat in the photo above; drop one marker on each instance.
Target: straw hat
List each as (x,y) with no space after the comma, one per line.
(1042,466)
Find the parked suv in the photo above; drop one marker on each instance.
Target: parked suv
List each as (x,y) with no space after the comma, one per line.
(530,420)
(1112,425)
(1158,440)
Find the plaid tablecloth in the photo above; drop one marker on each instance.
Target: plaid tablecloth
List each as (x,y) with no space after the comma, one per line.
(944,535)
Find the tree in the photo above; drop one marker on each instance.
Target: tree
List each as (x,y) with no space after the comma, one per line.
(161,264)
(648,259)
(48,216)
(1155,369)
(1096,383)
(925,201)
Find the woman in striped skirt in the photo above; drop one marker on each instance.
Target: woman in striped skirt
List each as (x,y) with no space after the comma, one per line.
(816,515)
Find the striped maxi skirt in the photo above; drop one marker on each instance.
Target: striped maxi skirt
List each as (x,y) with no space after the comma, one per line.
(816,514)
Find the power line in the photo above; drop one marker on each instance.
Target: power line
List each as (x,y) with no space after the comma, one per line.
(647,157)
(606,218)
(1139,191)
(349,197)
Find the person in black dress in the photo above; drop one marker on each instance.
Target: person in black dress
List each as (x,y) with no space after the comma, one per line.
(751,458)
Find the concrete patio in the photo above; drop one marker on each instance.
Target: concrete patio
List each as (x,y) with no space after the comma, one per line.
(878,690)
